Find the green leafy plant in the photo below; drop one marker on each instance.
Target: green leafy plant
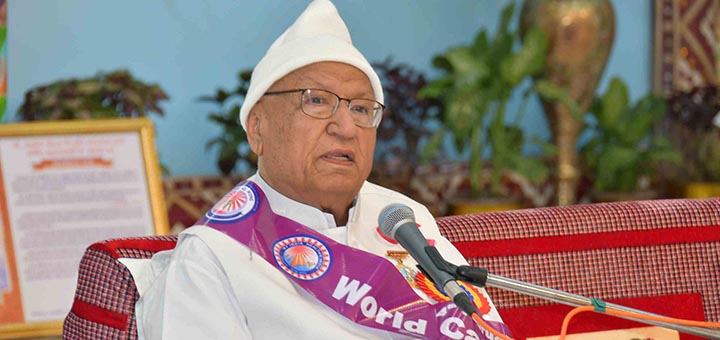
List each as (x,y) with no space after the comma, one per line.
(115,94)
(624,146)
(478,81)
(232,146)
(408,124)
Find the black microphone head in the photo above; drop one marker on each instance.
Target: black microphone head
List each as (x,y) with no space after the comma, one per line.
(391,217)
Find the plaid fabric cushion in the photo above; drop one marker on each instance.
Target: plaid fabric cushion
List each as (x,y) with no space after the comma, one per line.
(104,305)
(607,250)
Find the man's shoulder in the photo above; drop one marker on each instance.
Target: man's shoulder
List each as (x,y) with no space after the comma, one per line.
(374,189)
(389,195)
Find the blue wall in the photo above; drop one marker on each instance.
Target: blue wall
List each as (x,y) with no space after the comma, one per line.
(192,47)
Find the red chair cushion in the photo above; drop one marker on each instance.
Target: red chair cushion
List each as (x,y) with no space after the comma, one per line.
(104,305)
(625,250)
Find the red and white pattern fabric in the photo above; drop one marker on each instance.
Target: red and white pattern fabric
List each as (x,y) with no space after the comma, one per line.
(104,305)
(608,251)
(648,250)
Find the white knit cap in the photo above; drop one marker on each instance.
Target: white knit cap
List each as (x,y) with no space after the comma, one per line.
(318,34)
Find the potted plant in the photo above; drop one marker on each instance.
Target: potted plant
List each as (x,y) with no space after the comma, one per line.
(624,147)
(478,80)
(115,94)
(692,123)
(409,122)
(232,146)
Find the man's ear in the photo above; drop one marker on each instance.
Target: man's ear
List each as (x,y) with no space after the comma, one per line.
(254,136)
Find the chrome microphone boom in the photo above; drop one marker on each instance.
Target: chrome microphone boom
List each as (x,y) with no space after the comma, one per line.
(578,301)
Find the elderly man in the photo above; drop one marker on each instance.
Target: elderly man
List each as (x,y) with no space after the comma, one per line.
(294,251)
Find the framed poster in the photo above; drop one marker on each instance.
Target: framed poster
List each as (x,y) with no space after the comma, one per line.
(63,186)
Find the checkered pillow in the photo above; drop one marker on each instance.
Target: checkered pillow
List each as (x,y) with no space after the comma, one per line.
(104,305)
(608,250)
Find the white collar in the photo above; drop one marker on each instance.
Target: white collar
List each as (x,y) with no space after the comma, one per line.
(302,213)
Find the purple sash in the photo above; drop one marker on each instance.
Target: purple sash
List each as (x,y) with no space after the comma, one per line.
(371,293)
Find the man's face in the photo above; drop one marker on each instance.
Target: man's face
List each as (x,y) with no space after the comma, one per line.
(311,160)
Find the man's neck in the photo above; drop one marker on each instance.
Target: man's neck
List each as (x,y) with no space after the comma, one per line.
(341,215)
(338,207)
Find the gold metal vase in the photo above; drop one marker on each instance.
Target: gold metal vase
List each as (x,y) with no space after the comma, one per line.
(580,36)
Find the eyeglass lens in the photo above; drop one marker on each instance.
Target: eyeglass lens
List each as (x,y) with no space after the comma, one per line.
(322,104)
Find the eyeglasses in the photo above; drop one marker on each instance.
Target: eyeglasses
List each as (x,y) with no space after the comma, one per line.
(323,104)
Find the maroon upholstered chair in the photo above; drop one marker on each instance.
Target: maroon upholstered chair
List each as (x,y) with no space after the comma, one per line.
(662,256)
(104,305)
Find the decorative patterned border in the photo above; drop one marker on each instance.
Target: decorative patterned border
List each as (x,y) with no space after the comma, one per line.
(687,35)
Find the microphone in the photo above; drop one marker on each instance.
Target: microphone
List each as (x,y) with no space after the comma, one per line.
(397,222)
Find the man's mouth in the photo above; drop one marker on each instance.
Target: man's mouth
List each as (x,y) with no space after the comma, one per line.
(340,156)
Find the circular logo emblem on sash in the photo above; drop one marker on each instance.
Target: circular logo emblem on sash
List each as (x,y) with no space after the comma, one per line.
(303,257)
(235,205)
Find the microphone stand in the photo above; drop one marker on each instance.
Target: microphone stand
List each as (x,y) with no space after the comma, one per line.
(481,277)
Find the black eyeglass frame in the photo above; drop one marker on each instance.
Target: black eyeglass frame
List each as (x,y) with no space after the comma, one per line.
(377,118)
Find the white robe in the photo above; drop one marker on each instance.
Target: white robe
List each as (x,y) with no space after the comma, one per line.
(213,287)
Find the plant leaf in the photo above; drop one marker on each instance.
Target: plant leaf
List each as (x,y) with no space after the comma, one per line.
(528,61)
(432,146)
(617,168)
(467,68)
(505,17)
(464,111)
(436,89)
(555,93)
(614,104)
(531,168)
(640,120)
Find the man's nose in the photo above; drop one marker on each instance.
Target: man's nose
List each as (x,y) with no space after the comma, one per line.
(342,123)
